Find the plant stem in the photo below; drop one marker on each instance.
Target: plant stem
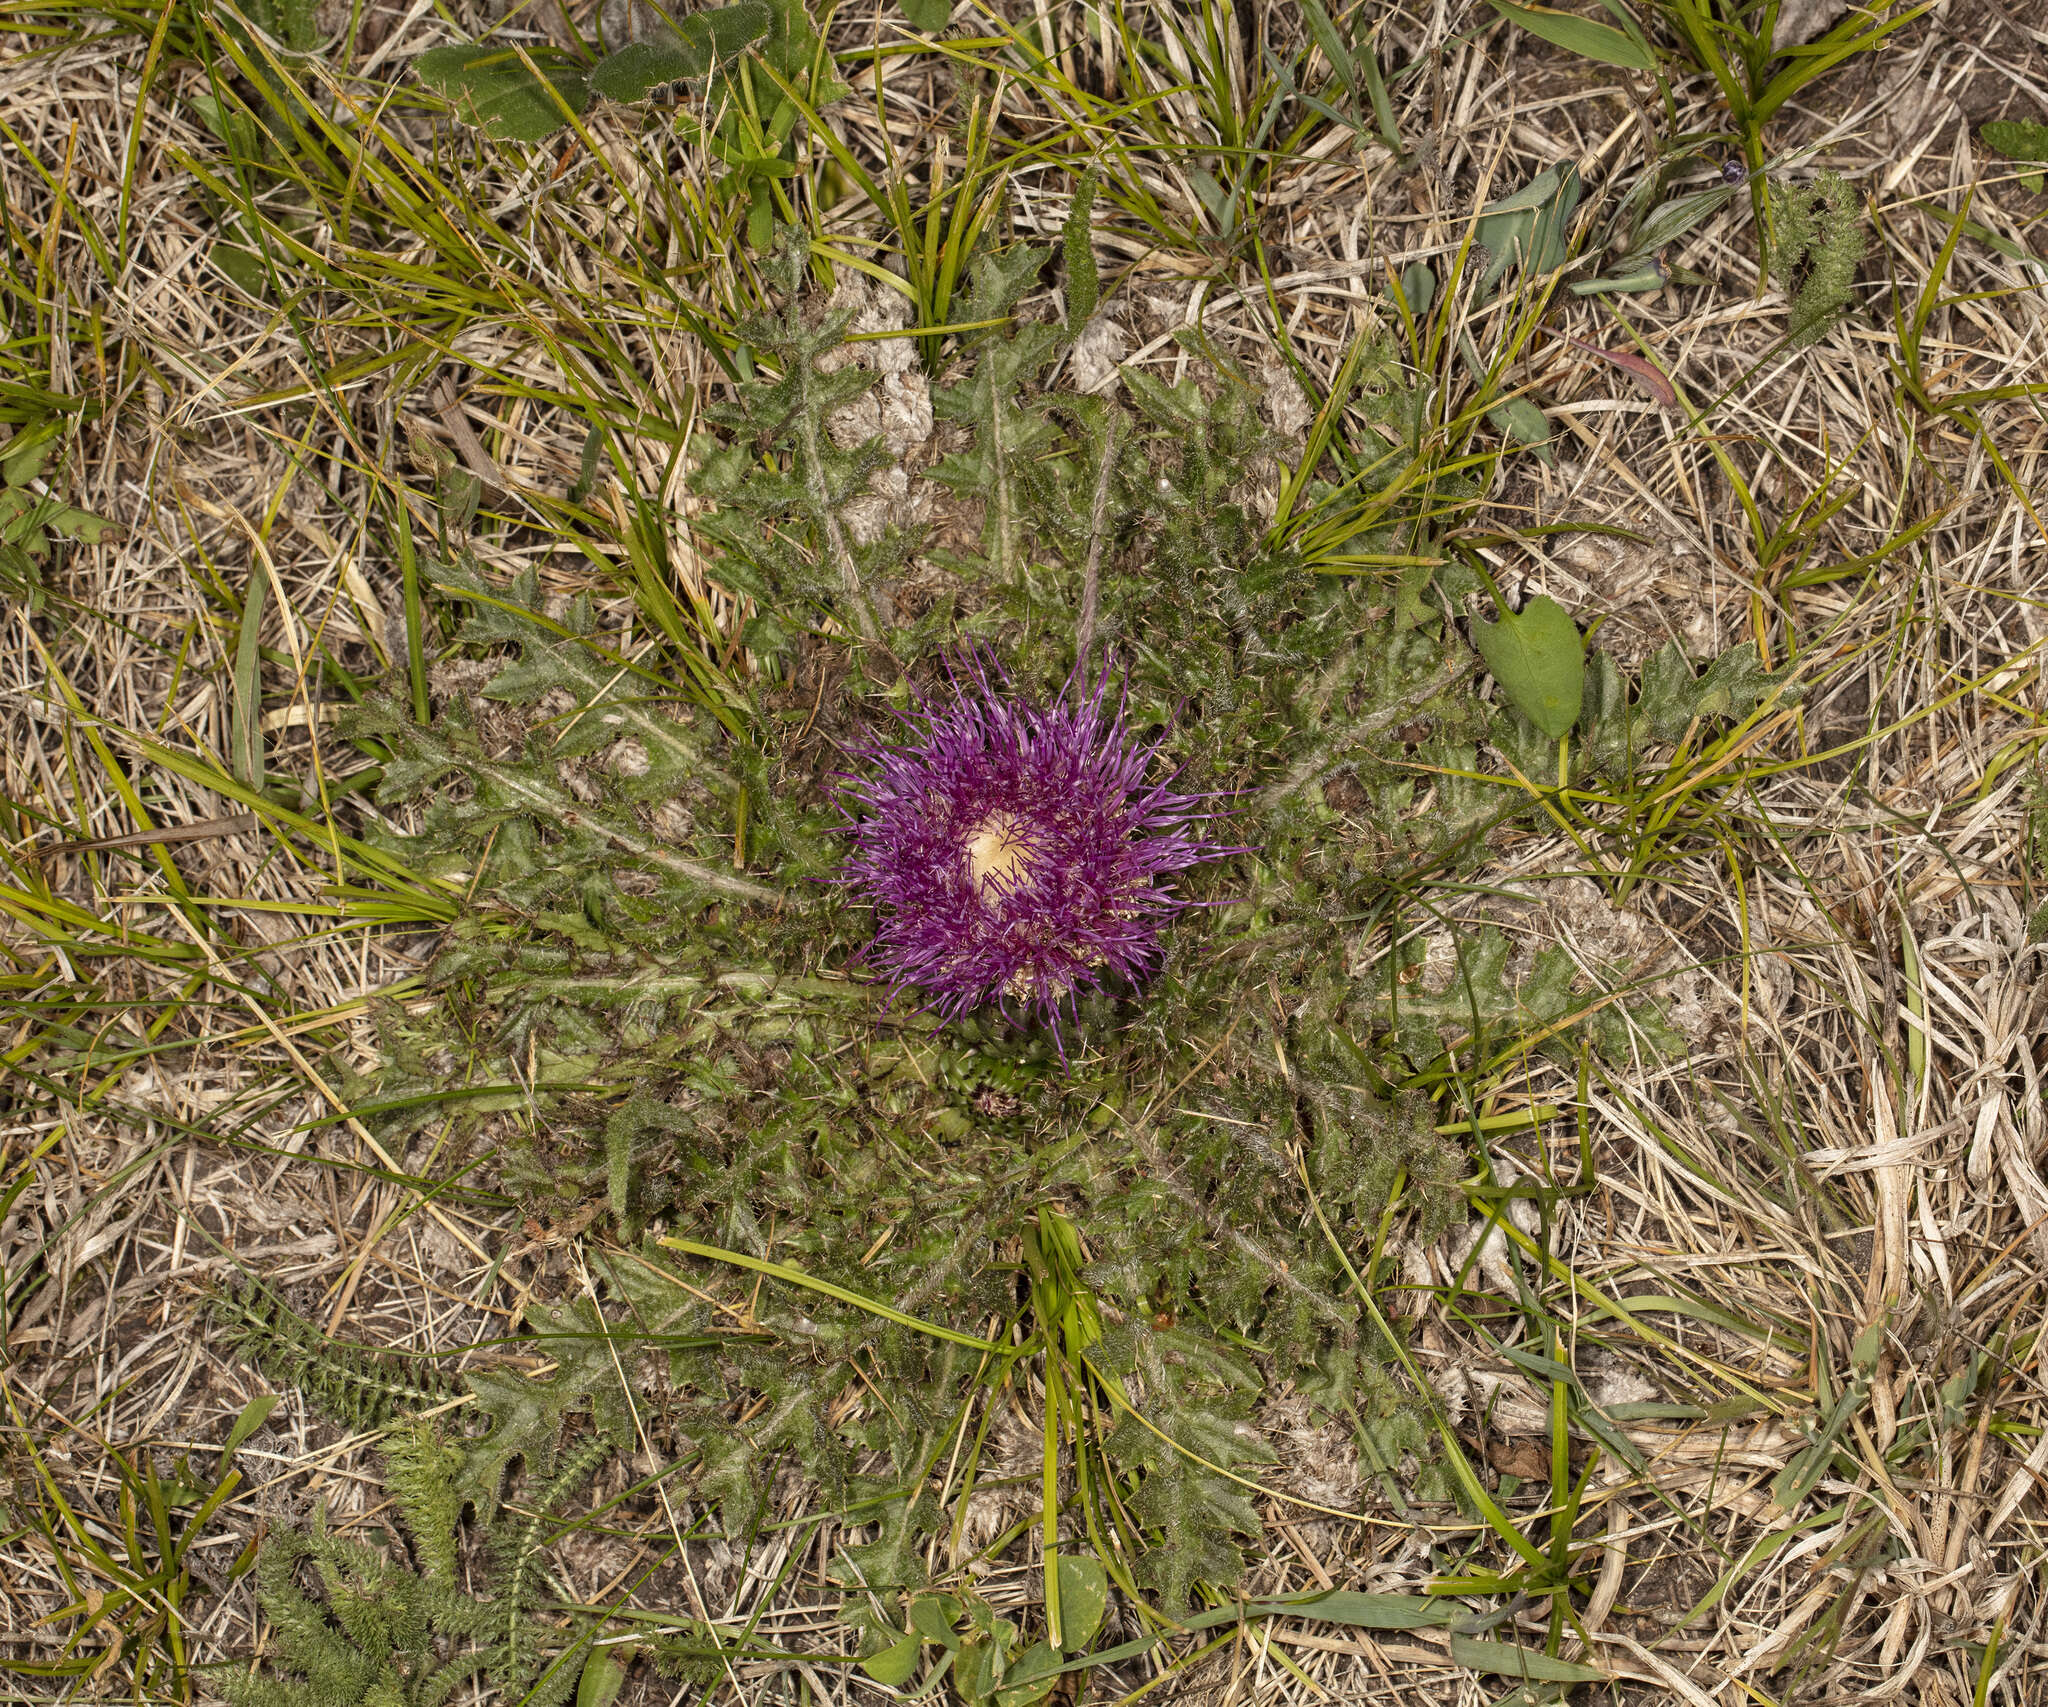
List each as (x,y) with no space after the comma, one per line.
(1098,519)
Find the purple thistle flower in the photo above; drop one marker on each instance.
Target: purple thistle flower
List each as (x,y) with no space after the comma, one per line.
(1016,854)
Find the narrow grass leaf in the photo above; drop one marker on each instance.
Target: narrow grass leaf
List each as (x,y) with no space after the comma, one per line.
(1342,1606)
(1376,1611)
(246,729)
(1332,44)
(797,1277)
(1582,36)
(1508,1659)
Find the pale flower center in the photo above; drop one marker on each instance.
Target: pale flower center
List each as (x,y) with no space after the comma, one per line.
(996,851)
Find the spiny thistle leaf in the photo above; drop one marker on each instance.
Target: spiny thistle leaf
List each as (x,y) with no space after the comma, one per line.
(528,1415)
(1008,433)
(1485,1007)
(783,537)
(1197,1399)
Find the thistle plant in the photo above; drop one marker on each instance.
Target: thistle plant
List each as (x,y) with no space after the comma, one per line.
(1018,853)
(1244,1136)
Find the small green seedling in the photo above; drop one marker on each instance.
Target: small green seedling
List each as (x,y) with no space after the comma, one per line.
(2022,141)
(981,1651)
(1531,226)
(32,522)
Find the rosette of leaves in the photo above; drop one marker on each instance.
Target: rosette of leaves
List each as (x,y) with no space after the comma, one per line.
(736,1094)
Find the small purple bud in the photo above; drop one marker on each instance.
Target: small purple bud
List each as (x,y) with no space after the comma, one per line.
(1734,172)
(1016,853)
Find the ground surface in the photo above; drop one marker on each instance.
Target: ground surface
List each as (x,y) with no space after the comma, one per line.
(1850,1135)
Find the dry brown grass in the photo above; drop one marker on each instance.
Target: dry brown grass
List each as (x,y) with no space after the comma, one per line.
(1788,1171)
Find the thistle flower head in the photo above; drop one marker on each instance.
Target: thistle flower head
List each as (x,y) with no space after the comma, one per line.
(1016,853)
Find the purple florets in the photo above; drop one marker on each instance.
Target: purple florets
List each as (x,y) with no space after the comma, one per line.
(1017,854)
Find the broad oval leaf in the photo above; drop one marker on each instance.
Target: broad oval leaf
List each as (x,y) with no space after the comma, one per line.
(733,29)
(1417,288)
(1084,1597)
(1519,419)
(893,1666)
(694,48)
(30,523)
(254,1414)
(932,1617)
(2016,139)
(22,457)
(1530,225)
(641,66)
(1030,1678)
(1581,36)
(1539,658)
(601,1681)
